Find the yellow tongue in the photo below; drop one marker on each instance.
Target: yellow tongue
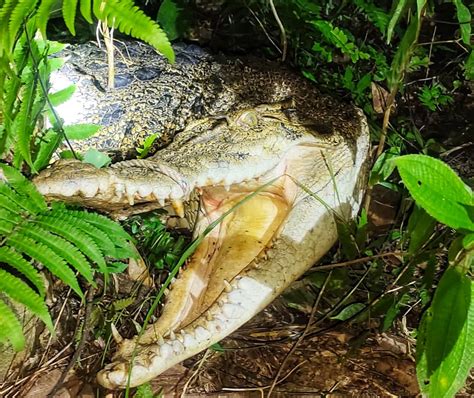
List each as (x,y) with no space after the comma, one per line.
(241,238)
(227,250)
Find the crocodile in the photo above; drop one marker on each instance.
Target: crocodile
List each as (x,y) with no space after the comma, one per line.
(271,172)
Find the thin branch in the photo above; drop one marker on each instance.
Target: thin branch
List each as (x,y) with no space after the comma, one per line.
(356,261)
(302,336)
(284,41)
(82,342)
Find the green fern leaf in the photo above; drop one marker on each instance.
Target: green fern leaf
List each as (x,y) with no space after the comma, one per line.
(48,145)
(17,200)
(129,19)
(7,215)
(6,227)
(75,235)
(16,260)
(77,218)
(24,187)
(11,328)
(18,16)
(85,7)
(69,14)
(111,228)
(7,204)
(6,11)
(48,258)
(62,248)
(22,127)
(43,13)
(19,291)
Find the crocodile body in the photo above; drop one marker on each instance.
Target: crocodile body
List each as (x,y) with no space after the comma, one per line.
(153,96)
(270,175)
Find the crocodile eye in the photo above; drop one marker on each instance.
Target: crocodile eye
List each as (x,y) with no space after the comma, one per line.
(247,119)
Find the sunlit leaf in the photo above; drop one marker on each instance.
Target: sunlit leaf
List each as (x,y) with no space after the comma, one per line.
(349,311)
(81,131)
(96,158)
(445,347)
(437,188)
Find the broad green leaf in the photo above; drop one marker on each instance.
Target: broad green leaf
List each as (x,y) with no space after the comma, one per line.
(81,131)
(445,348)
(437,188)
(96,158)
(349,311)
(464,19)
(420,228)
(61,96)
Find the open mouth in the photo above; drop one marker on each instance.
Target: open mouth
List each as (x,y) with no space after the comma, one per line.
(249,168)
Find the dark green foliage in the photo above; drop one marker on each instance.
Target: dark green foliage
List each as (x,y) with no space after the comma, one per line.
(68,243)
(159,246)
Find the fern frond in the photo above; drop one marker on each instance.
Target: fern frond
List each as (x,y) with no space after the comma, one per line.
(21,127)
(19,291)
(42,15)
(111,228)
(129,19)
(24,187)
(9,216)
(62,248)
(16,199)
(5,14)
(75,235)
(46,256)
(69,14)
(11,328)
(18,16)
(16,260)
(7,204)
(77,218)
(6,227)
(85,7)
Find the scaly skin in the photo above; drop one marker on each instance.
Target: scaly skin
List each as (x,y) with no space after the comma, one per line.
(265,243)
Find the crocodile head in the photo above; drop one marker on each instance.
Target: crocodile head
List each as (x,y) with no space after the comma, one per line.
(279,181)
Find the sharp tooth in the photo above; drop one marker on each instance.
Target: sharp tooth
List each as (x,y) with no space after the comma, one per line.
(178,347)
(161,340)
(209,316)
(115,334)
(166,350)
(131,198)
(227,286)
(201,333)
(166,292)
(189,340)
(144,191)
(178,207)
(161,201)
(227,187)
(172,335)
